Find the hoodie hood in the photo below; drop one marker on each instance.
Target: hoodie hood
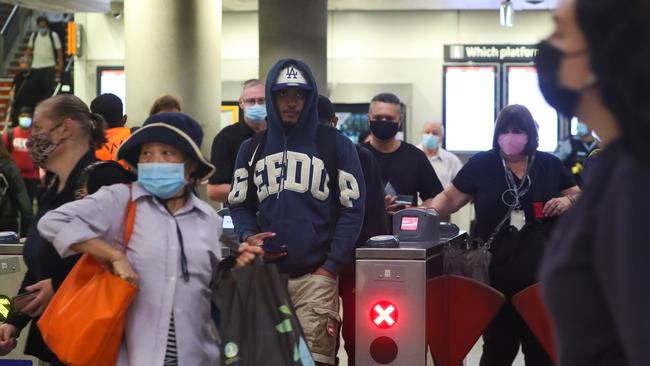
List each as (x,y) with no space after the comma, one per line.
(305,129)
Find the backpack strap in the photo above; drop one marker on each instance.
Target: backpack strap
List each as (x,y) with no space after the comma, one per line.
(34,39)
(326,147)
(53,46)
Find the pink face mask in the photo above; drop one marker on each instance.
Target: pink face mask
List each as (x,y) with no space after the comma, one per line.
(513,143)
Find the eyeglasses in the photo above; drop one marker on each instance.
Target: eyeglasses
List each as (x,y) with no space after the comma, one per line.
(252,101)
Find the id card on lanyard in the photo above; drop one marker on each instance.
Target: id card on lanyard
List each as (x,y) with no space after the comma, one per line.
(517,214)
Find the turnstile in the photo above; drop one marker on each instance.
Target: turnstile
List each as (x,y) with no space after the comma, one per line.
(391,291)
(12,271)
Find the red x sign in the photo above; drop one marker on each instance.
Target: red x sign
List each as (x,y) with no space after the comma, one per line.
(383,315)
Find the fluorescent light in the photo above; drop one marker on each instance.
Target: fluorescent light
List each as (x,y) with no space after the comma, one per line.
(507,14)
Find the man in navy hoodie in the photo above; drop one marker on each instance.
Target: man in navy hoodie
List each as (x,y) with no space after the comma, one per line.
(282,198)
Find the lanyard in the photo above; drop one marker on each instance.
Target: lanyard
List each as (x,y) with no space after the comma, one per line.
(517,191)
(184,270)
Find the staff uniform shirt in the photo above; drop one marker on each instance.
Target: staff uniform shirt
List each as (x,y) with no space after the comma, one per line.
(43,55)
(445,164)
(154,254)
(483,178)
(225,147)
(595,270)
(408,170)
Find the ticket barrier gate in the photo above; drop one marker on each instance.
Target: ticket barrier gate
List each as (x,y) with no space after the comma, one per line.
(391,290)
(12,271)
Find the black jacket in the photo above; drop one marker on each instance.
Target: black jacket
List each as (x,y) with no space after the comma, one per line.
(14,201)
(42,259)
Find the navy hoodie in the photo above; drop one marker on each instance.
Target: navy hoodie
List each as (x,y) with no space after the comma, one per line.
(291,196)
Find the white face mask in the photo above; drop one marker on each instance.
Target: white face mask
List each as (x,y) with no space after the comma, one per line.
(25,122)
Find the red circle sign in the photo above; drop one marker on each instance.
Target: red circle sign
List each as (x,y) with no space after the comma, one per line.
(383,315)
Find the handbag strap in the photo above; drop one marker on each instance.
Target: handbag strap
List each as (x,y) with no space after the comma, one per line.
(129,219)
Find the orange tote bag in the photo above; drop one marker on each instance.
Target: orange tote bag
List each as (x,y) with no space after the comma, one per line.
(84,323)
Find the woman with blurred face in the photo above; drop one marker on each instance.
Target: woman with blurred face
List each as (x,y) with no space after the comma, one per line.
(595,273)
(63,141)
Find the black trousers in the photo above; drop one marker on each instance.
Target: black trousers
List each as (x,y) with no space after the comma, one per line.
(44,79)
(346,292)
(503,337)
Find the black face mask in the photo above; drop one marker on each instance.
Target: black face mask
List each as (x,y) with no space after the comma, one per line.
(384,130)
(548,61)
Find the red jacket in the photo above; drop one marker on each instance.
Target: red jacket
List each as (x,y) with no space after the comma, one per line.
(18,149)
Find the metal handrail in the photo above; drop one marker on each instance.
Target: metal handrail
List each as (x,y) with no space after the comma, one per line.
(9,19)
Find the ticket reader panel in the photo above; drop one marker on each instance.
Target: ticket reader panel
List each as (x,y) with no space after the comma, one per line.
(416,225)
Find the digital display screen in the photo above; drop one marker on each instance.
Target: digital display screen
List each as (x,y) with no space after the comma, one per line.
(470,105)
(523,88)
(409,223)
(113,81)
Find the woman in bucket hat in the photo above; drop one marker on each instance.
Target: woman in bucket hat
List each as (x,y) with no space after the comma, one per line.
(174,249)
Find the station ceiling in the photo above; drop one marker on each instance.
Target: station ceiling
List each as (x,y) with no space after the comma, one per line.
(103,6)
(343,5)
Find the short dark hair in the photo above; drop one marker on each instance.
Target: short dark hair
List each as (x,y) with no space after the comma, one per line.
(25,110)
(165,103)
(110,107)
(387,98)
(43,18)
(325,110)
(622,81)
(516,117)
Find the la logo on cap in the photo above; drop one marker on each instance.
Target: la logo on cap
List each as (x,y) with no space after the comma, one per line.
(292,73)
(291,76)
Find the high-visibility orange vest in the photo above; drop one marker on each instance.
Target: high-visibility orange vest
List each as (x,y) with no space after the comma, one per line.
(115,136)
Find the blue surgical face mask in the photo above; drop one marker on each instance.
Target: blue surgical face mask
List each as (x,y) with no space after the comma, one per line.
(25,122)
(256,113)
(430,141)
(42,30)
(582,129)
(163,180)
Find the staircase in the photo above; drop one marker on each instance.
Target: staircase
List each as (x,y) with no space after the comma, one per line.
(12,66)
(6,81)
(5,88)
(11,35)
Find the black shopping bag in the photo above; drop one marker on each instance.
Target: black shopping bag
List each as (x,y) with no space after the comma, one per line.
(258,322)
